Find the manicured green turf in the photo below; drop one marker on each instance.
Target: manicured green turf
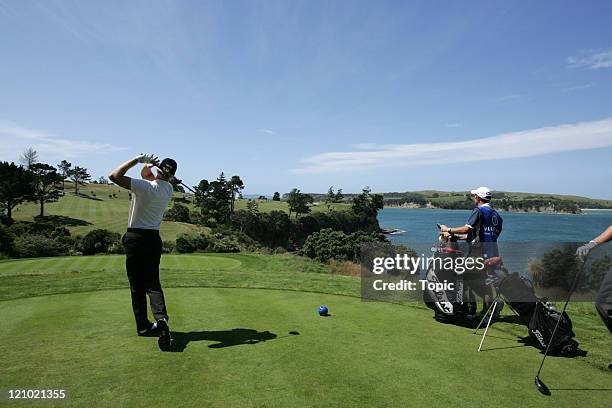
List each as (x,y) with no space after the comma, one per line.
(87,212)
(237,350)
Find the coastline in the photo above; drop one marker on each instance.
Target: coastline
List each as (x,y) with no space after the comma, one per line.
(528,211)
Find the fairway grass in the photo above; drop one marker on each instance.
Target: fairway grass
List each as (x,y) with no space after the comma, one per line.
(67,322)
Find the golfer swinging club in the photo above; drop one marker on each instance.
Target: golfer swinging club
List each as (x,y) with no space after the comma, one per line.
(142,243)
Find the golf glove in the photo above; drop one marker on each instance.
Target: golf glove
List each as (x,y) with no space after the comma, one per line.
(145,158)
(584,250)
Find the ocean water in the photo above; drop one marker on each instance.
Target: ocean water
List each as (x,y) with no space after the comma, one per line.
(525,236)
(420,225)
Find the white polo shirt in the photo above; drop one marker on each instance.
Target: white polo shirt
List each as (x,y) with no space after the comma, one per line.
(149,201)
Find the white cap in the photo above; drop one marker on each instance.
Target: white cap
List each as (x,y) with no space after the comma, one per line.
(482,192)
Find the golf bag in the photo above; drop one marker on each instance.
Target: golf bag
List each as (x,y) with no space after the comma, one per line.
(542,325)
(448,305)
(519,294)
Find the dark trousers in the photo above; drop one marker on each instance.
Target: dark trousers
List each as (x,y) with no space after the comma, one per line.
(604,300)
(143,252)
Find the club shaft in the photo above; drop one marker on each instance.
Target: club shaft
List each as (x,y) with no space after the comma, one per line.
(187,187)
(183,184)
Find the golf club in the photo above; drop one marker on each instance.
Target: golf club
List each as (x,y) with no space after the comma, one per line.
(179,181)
(538,381)
(184,185)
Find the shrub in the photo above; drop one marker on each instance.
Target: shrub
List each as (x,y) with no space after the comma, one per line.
(329,244)
(196,217)
(556,269)
(7,241)
(271,229)
(168,247)
(225,244)
(187,243)
(47,229)
(33,246)
(19,229)
(264,251)
(97,241)
(210,222)
(116,247)
(178,213)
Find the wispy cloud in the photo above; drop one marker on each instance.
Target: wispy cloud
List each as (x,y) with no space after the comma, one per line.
(267,131)
(14,139)
(528,143)
(453,125)
(592,60)
(577,88)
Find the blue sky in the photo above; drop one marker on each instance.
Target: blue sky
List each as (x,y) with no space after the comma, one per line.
(395,95)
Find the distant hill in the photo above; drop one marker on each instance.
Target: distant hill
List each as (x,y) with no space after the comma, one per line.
(503,200)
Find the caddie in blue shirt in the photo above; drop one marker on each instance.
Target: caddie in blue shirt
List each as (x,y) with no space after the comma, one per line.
(483,228)
(485,225)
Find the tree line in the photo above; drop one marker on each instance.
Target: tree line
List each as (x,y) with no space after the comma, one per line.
(215,208)
(32,180)
(501,202)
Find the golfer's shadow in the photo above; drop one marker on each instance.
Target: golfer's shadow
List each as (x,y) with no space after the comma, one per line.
(222,338)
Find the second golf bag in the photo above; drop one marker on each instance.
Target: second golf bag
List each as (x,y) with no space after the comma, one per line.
(542,325)
(540,319)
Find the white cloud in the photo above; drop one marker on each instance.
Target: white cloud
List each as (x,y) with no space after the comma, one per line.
(595,60)
(453,125)
(528,143)
(267,131)
(577,88)
(14,139)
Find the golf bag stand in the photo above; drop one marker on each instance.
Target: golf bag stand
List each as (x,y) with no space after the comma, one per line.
(497,302)
(489,312)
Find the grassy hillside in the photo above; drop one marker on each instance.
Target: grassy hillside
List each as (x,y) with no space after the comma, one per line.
(94,208)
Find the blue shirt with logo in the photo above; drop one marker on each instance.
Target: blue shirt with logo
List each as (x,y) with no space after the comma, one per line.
(486,227)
